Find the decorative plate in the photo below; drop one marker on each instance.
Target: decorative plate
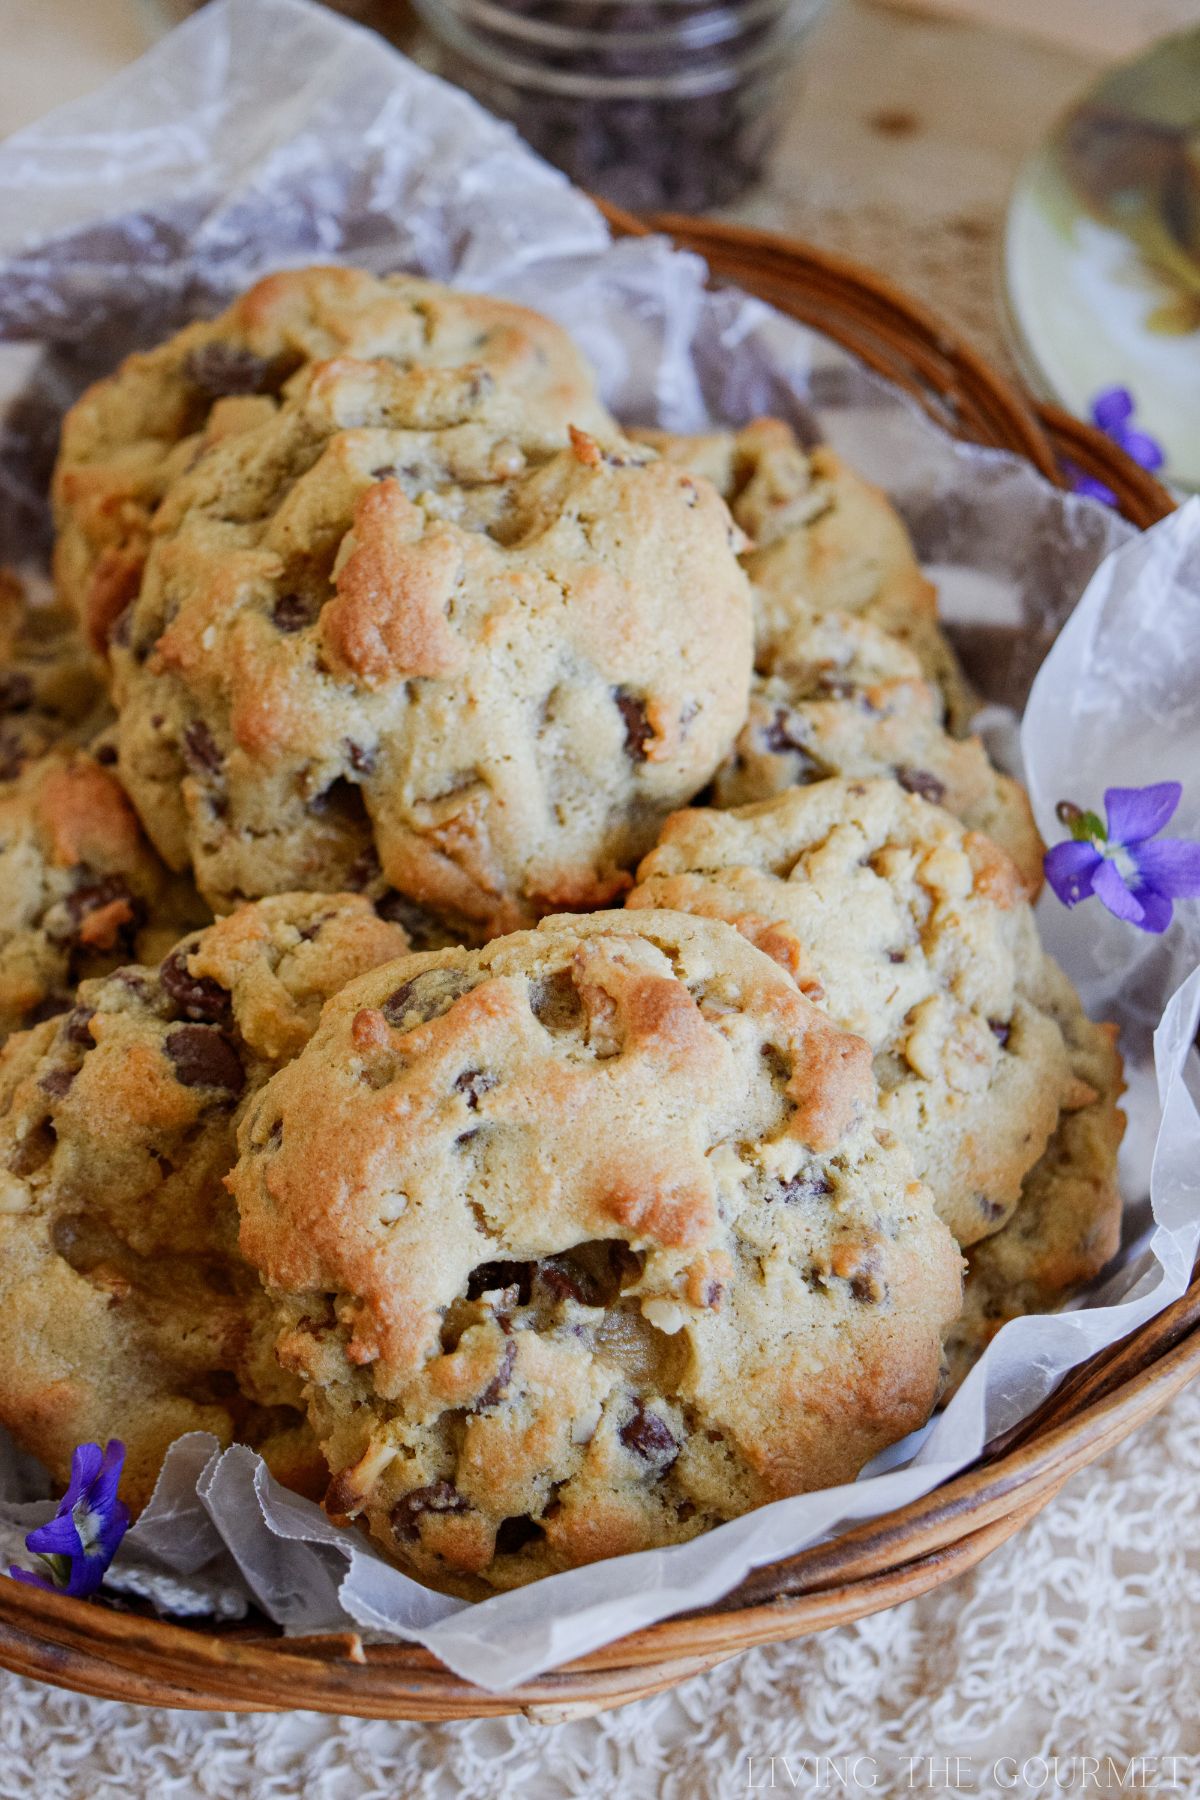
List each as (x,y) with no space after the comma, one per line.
(1102,252)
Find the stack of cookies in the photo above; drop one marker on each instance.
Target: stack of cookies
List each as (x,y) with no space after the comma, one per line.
(523,997)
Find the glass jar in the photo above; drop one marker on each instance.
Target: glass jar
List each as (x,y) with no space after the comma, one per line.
(647,103)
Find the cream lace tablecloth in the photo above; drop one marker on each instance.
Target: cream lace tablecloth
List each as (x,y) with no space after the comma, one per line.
(1081,1639)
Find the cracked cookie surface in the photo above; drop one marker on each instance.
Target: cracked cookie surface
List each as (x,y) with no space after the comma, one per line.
(845,698)
(915,933)
(125,1307)
(586,1241)
(51,690)
(376,633)
(81,890)
(131,435)
(822,540)
(1067,1225)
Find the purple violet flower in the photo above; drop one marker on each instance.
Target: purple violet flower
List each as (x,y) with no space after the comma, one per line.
(1136,878)
(1088,484)
(1112,412)
(76,1546)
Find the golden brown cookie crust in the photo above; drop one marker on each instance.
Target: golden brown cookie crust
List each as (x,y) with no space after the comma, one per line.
(822,540)
(913,932)
(847,699)
(81,890)
(1067,1225)
(365,640)
(51,688)
(125,1307)
(585,1241)
(129,436)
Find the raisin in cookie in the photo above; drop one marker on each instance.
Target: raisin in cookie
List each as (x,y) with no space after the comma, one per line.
(915,933)
(51,690)
(129,436)
(822,539)
(587,1241)
(844,698)
(80,888)
(494,670)
(1067,1225)
(125,1308)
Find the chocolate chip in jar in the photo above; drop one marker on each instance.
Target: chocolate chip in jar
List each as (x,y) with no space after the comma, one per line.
(650,105)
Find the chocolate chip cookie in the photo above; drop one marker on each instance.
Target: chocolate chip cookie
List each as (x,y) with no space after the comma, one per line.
(1067,1224)
(915,933)
(125,1308)
(845,698)
(131,435)
(81,890)
(374,633)
(822,540)
(51,691)
(586,1241)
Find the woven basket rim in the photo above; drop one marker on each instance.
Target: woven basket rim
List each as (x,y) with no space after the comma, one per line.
(126,1655)
(1047,435)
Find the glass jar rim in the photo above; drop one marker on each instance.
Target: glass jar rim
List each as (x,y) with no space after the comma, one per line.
(446,25)
(706,26)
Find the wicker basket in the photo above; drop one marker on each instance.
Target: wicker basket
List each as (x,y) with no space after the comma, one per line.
(124,1655)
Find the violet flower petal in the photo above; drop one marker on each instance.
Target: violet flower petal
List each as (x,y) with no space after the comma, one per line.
(1071,869)
(1156,910)
(1137,813)
(87,1527)
(1170,866)
(1108,887)
(102,1496)
(87,1460)
(32,1580)
(87,1574)
(1094,490)
(57,1537)
(113,1525)
(1112,409)
(1144,450)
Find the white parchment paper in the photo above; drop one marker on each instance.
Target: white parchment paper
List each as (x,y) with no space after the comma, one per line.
(268,132)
